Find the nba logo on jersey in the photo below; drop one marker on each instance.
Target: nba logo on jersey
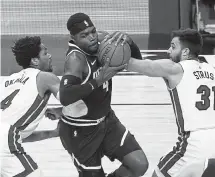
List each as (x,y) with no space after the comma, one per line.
(75,133)
(65,81)
(85,22)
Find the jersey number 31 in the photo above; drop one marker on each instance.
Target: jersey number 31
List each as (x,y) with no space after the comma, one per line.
(205,102)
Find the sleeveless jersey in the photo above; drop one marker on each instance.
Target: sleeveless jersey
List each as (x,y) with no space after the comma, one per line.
(21,105)
(97,104)
(193,98)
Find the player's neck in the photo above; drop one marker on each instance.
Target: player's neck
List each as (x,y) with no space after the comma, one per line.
(191,57)
(32,66)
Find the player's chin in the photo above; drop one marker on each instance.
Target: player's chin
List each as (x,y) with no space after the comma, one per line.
(50,69)
(93,49)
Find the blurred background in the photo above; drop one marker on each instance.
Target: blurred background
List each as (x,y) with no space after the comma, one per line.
(149,22)
(142,103)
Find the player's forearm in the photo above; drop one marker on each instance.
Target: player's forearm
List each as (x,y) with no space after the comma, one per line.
(141,66)
(41,135)
(71,89)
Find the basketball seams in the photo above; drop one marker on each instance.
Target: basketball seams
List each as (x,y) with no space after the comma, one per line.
(100,51)
(123,55)
(113,54)
(128,48)
(110,50)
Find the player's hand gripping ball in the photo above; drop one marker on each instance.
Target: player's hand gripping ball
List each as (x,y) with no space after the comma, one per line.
(119,52)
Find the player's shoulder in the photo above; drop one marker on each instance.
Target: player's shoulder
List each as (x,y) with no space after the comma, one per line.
(45,80)
(171,66)
(75,59)
(45,77)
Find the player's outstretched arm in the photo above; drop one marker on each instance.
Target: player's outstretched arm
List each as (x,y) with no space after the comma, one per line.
(42,135)
(155,68)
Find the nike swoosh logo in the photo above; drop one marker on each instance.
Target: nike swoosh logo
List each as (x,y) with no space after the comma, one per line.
(92,63)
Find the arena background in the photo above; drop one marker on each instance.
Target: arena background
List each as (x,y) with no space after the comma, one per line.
(148,22)
(141,103)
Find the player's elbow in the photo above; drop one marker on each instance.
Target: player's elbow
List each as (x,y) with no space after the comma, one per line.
(143,167)
(66,97)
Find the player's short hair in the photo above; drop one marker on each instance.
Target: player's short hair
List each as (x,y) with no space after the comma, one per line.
(25,49)
(78,22)
(191,39)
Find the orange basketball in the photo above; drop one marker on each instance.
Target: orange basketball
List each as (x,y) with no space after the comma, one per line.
(118,55)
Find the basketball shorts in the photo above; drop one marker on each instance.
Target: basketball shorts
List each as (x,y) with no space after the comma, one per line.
(14,160)
(210,170)
(87,145)
(190,148)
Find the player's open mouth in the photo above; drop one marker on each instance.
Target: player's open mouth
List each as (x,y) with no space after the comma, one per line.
(94,44)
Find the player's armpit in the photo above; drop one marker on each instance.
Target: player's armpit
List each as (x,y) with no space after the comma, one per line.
(155,68)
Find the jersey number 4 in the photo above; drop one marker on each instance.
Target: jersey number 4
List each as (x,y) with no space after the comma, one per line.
(205,102)
(8,100)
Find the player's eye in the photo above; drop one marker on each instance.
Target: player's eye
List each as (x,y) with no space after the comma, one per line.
(83,35)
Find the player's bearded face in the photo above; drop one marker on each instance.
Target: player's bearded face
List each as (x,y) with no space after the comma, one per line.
(87,40)
(45,60)
(175,51)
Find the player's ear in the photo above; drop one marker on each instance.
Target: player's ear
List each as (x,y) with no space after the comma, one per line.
(35,61)
(186,52)
(72,38)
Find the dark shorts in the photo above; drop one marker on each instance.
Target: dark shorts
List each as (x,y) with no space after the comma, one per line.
(210,170)
(87,145)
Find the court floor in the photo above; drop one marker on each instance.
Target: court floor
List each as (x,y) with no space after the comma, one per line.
(143,106)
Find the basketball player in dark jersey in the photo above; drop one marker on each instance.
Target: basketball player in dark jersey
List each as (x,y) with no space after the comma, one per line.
(210,170)
(89,128)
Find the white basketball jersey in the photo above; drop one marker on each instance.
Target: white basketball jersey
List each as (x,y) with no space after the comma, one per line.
(21,105)
(194,97)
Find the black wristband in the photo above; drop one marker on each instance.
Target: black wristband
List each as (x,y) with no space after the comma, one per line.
(72,90)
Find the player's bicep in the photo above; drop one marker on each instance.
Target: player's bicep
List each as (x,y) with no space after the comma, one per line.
(48,82)
(74,65)
(54,85)
(154,68)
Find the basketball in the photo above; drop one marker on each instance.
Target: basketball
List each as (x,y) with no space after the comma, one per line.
(118,55)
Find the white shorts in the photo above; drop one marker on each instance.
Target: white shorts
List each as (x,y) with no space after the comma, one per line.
(191,148)
(14,160)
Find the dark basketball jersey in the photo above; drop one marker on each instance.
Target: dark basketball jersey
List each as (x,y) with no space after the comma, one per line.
(97,104)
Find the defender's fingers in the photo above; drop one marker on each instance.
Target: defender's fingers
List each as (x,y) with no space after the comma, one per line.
(124,39)
(114,37)
(119,39)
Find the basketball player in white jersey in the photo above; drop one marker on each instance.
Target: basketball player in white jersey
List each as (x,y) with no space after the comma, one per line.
(194,169)
(24,97)
(191,84)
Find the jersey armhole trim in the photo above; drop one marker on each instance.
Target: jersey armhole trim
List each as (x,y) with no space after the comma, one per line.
(89,72)
(170,89)
(37,85)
